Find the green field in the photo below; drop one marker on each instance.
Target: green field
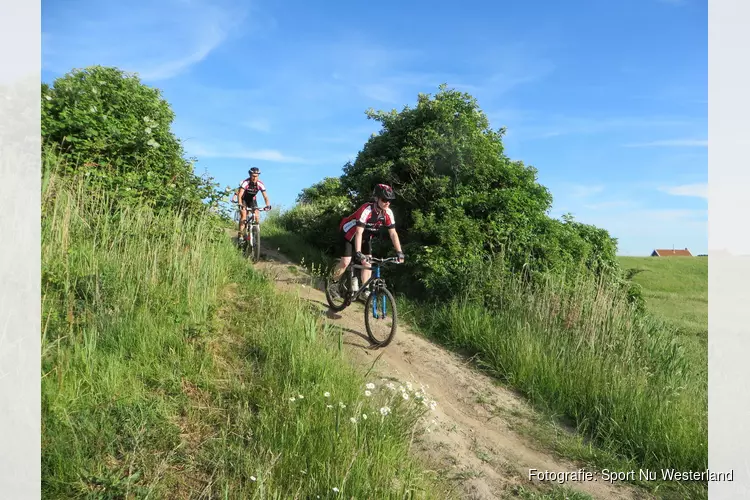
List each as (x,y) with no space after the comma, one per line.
(675,289)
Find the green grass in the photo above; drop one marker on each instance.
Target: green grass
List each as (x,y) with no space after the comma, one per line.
(171,369)
(675,289)
(630,384)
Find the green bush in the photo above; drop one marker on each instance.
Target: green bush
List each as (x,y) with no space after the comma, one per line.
(459,199)
(318,212)
(107,125)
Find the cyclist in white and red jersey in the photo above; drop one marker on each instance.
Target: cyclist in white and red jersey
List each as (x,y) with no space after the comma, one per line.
(248,190)
(359,228)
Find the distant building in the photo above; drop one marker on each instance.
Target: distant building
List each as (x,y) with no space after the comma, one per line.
(671,252)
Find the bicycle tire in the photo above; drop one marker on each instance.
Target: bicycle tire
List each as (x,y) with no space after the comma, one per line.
(393,312)
(256,242)
(347,298)
(245,245)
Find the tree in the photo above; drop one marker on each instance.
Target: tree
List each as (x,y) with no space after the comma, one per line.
(460,199)
(459,195)
(107,124)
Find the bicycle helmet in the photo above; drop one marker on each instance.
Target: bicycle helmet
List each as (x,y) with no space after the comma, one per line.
(384,192)
(254,170)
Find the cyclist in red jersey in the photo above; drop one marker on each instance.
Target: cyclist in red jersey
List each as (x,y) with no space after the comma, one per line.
(248,190)
(359,228)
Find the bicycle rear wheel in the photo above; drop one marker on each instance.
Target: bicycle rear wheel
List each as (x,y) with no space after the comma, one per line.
(337,291)
(381,317)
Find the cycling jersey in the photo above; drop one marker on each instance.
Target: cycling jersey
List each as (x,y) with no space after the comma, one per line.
(366,216)
(252,188)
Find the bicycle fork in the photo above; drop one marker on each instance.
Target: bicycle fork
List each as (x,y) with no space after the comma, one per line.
(375,300)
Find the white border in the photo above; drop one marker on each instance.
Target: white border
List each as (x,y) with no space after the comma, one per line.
(20,309)
(729,248)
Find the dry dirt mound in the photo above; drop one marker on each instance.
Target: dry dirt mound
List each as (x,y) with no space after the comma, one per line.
(471,438)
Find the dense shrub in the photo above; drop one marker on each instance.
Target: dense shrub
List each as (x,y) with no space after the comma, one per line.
(106,124)
(460,198)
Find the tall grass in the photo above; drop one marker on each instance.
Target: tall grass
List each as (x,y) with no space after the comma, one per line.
(576,347)
(172,369)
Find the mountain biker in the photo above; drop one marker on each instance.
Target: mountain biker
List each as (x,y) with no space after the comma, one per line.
(246,194)
(359,228)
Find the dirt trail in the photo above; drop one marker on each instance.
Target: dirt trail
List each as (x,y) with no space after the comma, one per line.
(473,440)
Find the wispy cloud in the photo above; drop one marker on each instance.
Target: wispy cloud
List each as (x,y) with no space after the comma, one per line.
(158,40)
(235,150)
(699,190)
(607,205)
(538,126)
(584,191)
(259,124)
(670,143)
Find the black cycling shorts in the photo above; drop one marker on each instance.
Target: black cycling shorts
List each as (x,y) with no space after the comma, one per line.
(250,202)
(348,246)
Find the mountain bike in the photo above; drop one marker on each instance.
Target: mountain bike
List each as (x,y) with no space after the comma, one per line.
(250,238)
(376,311)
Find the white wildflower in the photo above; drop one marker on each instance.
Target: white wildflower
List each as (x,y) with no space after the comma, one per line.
(353,420)
(342,405)
(364,416)
(253,478)
(335,490)
(391,386)
(368,393)
(329,406)
(370,386)
(385,411)
(292,399)
(408,385)
(300,396)
(405,395)
(326,394)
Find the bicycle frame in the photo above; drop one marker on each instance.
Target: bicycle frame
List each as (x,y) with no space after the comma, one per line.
(375,282)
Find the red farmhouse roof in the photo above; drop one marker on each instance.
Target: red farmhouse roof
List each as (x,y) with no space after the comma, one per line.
(668,252)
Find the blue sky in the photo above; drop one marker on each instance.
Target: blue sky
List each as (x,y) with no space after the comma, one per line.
(607,99)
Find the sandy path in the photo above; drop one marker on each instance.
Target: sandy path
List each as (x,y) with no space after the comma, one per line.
(473,440)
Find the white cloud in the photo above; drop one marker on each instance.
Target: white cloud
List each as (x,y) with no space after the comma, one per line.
(157,40)
(670,143)
(259,124)
(584,191)
(610,204)
(699,190)
(537,126)
(234,150)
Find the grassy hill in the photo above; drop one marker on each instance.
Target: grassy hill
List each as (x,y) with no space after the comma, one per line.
(172,369)
(675,289)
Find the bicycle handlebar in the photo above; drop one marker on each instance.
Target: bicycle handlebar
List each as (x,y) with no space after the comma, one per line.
(264,209)
(383,261)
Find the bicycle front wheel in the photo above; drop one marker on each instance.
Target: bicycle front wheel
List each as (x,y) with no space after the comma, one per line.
(381,317)
(256,242)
